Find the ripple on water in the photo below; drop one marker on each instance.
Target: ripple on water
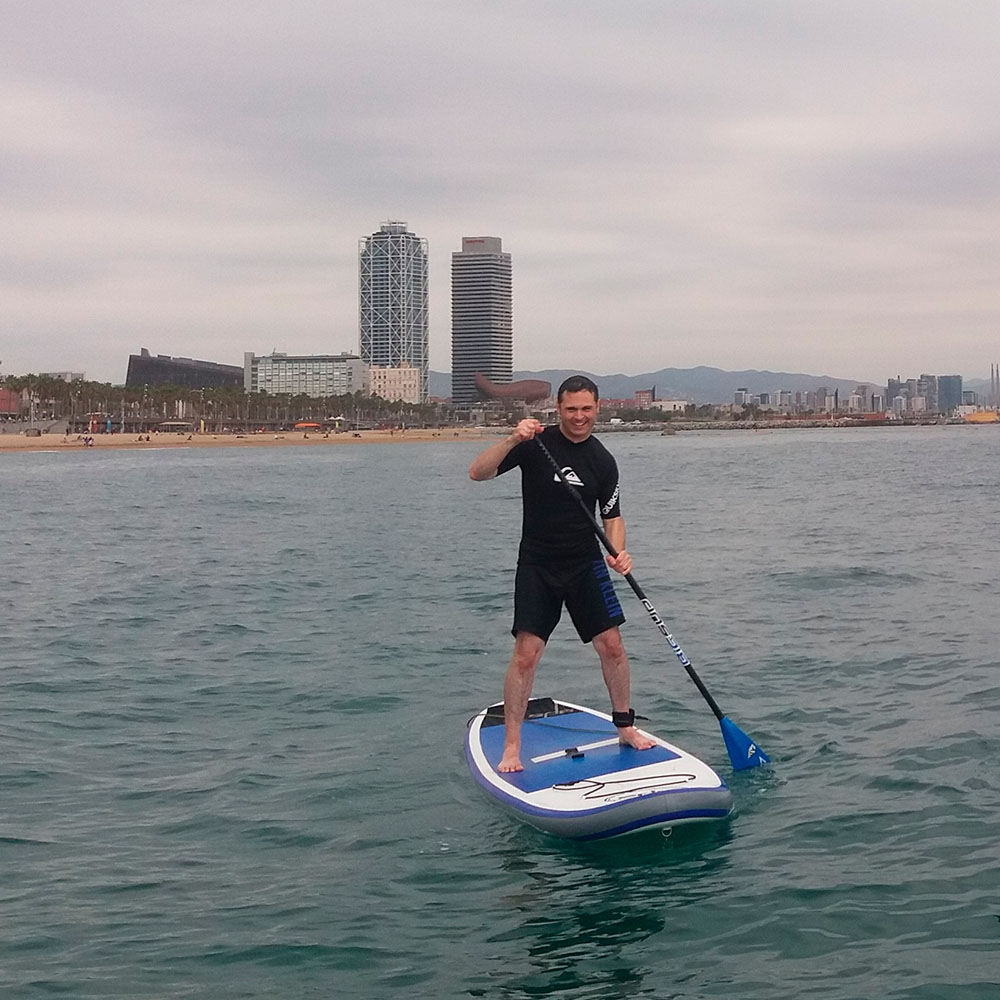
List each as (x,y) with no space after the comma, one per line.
(231,759)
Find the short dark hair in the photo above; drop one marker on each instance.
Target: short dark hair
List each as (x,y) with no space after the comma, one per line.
(577,383)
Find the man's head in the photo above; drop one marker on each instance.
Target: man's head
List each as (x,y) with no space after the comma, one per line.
(577,403)
(577,383)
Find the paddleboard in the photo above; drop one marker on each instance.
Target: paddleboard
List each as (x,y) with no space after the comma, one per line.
(580,782)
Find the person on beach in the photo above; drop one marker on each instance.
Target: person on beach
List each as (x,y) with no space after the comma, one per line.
(559,561)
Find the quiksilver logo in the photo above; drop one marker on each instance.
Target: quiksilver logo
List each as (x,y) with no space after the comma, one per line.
(570,476)
(610,505)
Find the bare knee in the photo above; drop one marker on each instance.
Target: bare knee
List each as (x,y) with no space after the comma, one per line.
(528,651)
(609,645)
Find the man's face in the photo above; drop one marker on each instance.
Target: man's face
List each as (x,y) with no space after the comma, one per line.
(577,414)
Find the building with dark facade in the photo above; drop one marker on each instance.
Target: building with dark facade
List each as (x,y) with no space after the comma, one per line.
(949,389)
(482,341)
(161,369)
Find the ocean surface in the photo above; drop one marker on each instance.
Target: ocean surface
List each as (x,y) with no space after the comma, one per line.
(234,686)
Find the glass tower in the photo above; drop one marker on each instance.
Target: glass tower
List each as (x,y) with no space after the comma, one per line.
(481,331)
(392,300)
(949,392)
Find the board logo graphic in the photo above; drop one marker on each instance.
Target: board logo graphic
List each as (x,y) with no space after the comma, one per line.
(570,476)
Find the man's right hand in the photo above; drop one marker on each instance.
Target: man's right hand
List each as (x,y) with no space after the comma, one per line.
(485,465)
(526,429)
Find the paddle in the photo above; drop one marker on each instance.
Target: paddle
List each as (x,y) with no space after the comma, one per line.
(743,751)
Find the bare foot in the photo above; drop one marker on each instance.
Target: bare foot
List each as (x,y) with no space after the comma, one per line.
(511,761)
(631,736)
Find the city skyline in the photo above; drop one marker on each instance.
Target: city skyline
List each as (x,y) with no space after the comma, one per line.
(196,178)
(322,376)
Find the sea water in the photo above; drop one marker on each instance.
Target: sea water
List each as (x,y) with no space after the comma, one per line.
(235,682)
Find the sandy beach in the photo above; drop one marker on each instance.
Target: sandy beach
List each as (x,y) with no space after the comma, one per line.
(18,441)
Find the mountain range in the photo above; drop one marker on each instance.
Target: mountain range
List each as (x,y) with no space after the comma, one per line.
(695,385)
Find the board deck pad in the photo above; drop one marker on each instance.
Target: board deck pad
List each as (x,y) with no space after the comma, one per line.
(567,731)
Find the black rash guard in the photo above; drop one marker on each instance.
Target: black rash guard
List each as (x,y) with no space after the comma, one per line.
(554,529)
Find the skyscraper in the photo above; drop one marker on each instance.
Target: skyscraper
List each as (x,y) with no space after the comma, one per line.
(927,386)
(392,300)
(949,392)
(482,337)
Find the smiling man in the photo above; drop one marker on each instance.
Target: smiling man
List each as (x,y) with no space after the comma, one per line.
(559,561)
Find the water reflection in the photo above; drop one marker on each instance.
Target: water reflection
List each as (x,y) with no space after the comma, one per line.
(584,916)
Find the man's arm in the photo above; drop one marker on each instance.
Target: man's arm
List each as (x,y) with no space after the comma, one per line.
(485,464)
(614,528)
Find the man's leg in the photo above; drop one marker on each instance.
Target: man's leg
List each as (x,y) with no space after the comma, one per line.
(614,667)
(517,684)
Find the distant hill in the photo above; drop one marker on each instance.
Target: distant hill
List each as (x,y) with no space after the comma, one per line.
(696,385)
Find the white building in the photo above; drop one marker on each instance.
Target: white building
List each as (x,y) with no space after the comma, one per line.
(316,375)
(401,384)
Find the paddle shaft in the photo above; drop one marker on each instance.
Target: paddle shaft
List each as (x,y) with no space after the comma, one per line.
(650,610)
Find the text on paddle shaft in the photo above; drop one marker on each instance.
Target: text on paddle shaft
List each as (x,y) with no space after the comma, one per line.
(661,625)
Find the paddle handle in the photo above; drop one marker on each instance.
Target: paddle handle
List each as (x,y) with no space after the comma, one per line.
(650,610)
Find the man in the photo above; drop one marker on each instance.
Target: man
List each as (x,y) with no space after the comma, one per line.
(559,561)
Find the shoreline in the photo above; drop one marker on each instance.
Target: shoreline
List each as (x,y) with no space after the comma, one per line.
(21,442)
(18,441)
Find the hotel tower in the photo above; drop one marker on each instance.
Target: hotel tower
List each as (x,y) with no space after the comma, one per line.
(392,301)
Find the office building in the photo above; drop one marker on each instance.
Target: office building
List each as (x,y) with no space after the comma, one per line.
(392,300)
(893,389)
(949,392)
(927,390)
(482,339)
(316,375)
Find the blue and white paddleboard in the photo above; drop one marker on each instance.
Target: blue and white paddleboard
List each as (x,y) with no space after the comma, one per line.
(580,782)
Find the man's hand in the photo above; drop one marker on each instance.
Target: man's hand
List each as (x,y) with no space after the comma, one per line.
(526,429)
(622,563)
(485,465)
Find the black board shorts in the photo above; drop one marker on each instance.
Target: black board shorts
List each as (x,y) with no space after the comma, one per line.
(586,589)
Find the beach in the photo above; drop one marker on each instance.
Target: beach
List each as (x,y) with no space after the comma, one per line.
(19,441)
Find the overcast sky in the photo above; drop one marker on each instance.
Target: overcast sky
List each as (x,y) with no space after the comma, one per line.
(801,186)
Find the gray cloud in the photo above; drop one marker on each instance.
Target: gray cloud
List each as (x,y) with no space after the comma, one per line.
(782,185)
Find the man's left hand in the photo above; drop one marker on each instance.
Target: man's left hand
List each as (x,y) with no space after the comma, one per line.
(622,563)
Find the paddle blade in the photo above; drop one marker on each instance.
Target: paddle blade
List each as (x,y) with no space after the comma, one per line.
(743,751)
